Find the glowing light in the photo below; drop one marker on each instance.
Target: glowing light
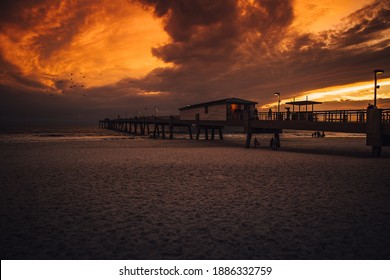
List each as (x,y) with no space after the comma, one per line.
(152,92)
(353,92)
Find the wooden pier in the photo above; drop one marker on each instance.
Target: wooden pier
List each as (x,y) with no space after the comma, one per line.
(375,123)
(163,126)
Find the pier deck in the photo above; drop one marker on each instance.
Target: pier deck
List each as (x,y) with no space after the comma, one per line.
(375,123)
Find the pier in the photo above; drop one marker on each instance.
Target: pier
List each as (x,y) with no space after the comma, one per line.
(373,122)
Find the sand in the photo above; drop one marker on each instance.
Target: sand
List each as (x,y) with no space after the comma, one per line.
(186,199)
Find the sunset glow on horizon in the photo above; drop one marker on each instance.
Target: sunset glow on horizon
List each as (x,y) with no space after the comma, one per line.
(122,54)
(362,91)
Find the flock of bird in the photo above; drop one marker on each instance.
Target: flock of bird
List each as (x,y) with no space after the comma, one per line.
(74,79)
(75,84)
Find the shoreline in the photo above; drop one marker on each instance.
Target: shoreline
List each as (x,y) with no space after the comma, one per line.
(337,146)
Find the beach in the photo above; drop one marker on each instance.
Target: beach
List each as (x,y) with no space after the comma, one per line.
(127,197)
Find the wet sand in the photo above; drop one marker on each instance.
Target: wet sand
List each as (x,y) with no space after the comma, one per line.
(186,199)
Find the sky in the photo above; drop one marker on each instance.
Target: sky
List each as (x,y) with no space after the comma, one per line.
(78,61)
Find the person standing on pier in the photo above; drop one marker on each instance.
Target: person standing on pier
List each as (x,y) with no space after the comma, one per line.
(270,114)
(288,113)
(255,114)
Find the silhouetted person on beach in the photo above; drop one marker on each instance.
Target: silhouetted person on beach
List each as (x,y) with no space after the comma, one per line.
(316,134)
(275,142)
(256,143)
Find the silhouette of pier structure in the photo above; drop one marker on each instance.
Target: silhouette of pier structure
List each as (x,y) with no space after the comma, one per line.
(375,123)
(163,126)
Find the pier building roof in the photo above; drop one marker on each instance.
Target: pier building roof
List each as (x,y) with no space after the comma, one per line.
(303,103)
(231,100)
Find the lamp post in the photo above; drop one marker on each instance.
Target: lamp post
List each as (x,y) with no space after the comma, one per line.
(376,73)
(278,94)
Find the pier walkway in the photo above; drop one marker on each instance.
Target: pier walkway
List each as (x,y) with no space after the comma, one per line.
(375,123)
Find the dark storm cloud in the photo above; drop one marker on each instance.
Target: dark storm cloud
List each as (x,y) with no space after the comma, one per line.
(366,24)
(231,50)
(209,40)
(10,11)
(210,31)
(185,17)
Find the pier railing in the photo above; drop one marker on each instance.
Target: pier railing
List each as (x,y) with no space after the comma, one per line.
(357,116)
(386,116)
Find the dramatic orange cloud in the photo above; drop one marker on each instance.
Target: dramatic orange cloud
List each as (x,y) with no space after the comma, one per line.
(319,15)
(105,41)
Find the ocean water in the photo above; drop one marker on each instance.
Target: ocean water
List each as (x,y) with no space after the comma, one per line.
(93,133)
(61,134)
